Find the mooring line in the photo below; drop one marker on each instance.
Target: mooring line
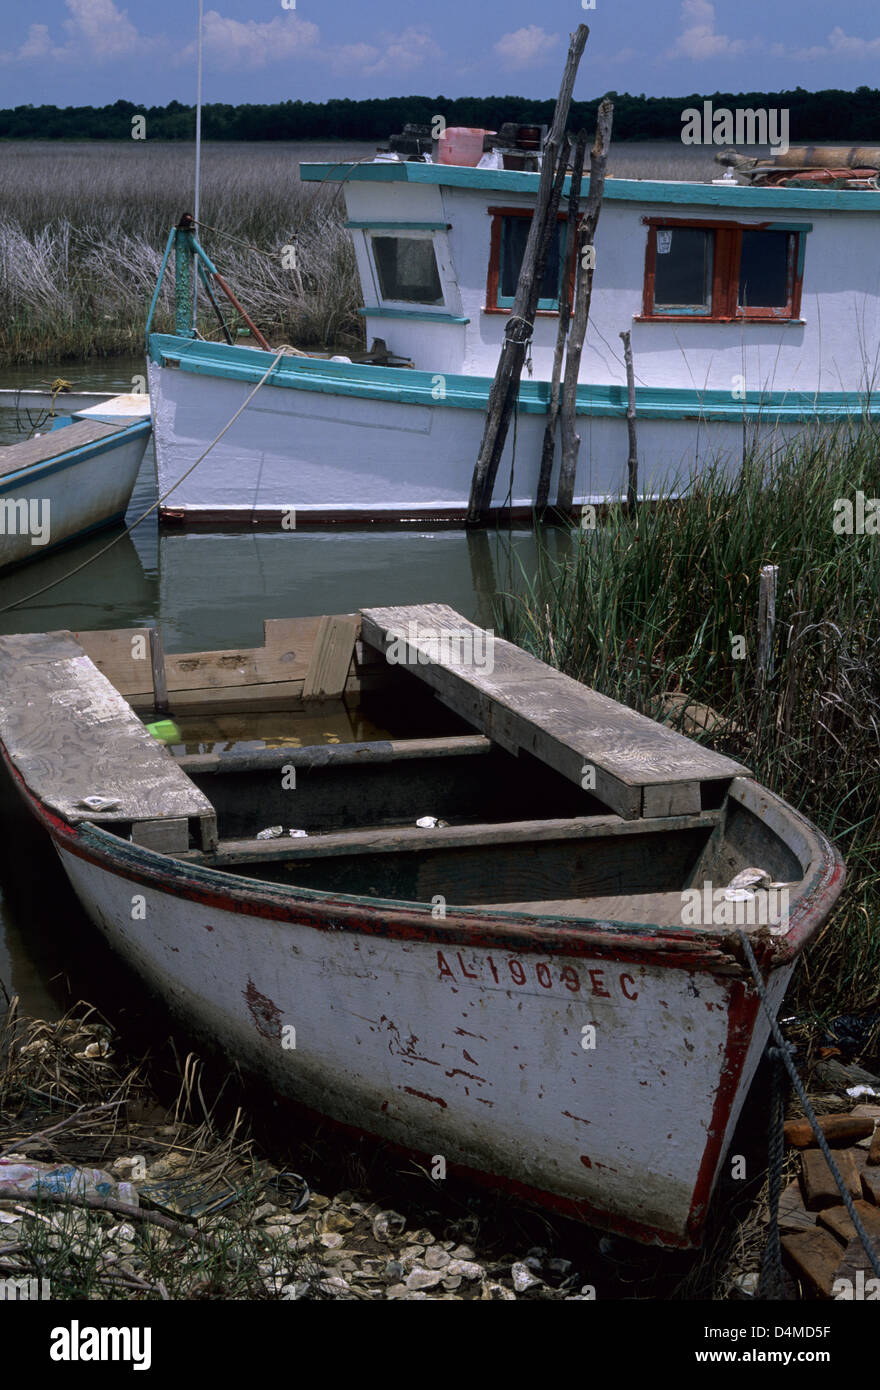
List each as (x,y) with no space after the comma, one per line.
(784,1057)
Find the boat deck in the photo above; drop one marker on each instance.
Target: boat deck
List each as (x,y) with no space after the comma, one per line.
(54,444)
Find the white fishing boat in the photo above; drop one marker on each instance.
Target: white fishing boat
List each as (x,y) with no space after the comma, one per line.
(542,983)
(746,305)
(72,479)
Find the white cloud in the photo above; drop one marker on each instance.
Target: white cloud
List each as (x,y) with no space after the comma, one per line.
(698,38)
(525,47)
(404,52)
(37,44)
(97,32)
(231,43)
(841,45)
(105,30)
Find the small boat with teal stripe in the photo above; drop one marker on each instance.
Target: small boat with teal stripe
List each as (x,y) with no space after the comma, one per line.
(72,479)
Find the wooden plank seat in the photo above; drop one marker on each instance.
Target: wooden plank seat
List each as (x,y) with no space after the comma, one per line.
(631,763)
(399,839)
(72,736)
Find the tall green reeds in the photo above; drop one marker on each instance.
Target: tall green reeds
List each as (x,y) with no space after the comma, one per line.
(644,607)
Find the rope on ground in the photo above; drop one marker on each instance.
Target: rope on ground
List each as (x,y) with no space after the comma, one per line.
(282,352)
(784,1056)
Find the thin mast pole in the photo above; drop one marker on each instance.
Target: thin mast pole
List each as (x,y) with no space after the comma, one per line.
(198,145)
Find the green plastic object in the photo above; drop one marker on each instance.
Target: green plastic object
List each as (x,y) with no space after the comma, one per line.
(165,730)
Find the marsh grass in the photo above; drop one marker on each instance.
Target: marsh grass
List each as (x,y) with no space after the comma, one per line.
(646,606)
(83,228)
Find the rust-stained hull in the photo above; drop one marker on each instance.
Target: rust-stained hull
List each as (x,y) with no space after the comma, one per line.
(596,1068)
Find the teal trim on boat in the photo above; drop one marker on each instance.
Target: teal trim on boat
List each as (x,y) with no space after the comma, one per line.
(408,387)
(67,460)
(397,226)
(376,311)
(730,196)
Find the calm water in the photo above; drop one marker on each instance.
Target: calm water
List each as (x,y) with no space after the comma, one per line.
(207,591)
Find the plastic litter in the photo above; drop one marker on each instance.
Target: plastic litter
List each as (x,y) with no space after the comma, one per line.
(298,834)
(166,731)
(270,833)
(99,803)
(61,1179)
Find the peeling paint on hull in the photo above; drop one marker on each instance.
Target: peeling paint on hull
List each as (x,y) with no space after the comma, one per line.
(493,1076)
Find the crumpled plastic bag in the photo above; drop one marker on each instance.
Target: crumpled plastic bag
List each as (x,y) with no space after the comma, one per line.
(18,1179)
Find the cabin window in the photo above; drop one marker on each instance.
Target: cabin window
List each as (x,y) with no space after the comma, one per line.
(723,271)
(407,269)
(509,234)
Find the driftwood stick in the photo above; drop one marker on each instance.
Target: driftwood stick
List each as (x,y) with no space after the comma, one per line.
(79,1117)
(543,494)
(518,327)
(116,1208)
(570,438)
(632,462)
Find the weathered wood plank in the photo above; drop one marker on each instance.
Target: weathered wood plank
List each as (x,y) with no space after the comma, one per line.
(253,675)
(164,836)
(524,704)
(814,1256)
(337,754)
(71,735)
(331,658)
(837,1221)
(820,1188)
(53,444)
(399,839)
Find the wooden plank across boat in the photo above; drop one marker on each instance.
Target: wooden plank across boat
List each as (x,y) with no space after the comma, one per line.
(479,951)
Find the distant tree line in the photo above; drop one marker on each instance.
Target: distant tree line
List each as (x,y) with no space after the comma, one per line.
(826,115)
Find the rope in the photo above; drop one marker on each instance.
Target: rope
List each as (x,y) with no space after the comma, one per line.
(771,1285)
(783,1055)
(159,500)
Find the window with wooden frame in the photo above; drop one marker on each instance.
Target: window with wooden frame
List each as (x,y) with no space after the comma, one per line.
(723,271)
(509,234)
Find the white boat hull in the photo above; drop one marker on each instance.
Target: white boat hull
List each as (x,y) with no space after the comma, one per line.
(74,500)
(605,1089)
(297,457)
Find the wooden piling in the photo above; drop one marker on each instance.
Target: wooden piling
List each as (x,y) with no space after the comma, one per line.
(766,622)
(632,462)
(157,662)
(518,328)
(570,438)
(549,448)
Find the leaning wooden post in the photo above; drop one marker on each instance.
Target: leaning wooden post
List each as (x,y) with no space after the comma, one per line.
(543,493)
(157,663)
(766,623)
(632,462)
(518,328)
(570,439)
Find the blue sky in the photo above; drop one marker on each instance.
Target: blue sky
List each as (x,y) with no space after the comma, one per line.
(72,52)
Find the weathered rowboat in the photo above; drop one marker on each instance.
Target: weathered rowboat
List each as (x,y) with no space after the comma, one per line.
(507,938)
(73,479)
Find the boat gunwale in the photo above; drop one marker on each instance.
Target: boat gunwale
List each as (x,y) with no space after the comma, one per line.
(716,953)
(79,453)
